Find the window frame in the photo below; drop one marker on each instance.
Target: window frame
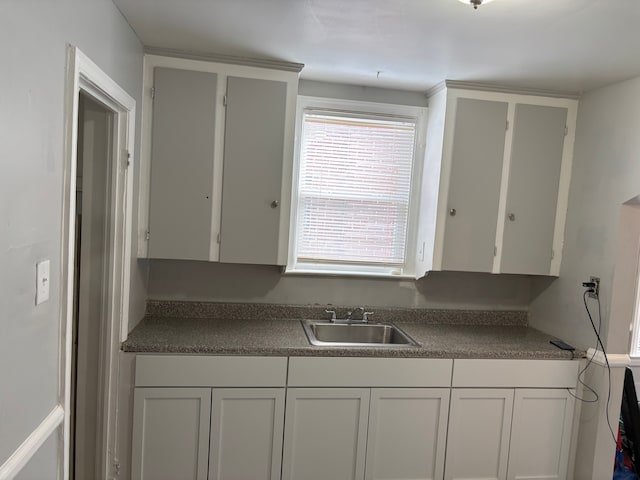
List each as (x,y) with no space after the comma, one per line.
(408,270)
(634,348)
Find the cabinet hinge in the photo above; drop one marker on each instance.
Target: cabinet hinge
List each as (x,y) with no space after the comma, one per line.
(153,93)
(495,250)
(116,467)
(566,130)
(218,238)
(128,159)
(553,254)
(224,100)
(507,125)
(147,235)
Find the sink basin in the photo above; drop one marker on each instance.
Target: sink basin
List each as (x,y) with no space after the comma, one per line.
(356,335)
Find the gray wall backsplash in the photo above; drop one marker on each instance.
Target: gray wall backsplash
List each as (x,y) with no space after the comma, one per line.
(217,282)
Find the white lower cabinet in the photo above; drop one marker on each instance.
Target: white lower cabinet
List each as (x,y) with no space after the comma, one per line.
(207,434)
(540,434)
(171,433)
(208,418)
(514,434)
(407,433)
(478,438)
(373,434)
(246,433)
(325,433)
(224,418)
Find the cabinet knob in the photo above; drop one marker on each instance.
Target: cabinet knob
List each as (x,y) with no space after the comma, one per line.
(512,217)
(453,212)
(275,204)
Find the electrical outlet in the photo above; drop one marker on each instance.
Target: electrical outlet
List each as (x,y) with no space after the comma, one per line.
(596,289)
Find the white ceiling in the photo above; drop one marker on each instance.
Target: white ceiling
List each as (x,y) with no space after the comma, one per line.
(561,45)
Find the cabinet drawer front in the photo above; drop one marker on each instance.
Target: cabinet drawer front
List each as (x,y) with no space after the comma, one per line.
(369,372)
(515,373)
(201,371)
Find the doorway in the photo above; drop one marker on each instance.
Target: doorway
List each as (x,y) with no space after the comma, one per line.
(91,260)
(96,265)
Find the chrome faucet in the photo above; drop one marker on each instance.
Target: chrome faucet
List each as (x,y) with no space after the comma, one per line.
(364,316)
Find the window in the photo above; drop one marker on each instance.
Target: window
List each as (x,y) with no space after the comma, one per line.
(355,184)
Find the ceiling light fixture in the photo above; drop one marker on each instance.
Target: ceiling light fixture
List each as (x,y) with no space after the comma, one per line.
(475,3)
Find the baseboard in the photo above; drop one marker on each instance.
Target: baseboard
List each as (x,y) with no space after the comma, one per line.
(22,455)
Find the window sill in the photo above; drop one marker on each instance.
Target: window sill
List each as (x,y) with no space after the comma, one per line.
(327,272)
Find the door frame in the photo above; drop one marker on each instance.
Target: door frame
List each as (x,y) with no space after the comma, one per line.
(83,75)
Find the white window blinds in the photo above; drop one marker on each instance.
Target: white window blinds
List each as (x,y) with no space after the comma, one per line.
(354,188)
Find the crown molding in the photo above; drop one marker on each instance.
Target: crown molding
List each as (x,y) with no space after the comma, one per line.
(489,87)
(230,59)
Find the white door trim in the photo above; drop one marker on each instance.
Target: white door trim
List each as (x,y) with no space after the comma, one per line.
(85,76)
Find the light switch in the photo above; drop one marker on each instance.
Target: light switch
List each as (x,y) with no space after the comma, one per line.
(42,281)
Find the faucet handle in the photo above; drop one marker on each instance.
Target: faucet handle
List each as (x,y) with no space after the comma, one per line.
(365,316)
(333,314)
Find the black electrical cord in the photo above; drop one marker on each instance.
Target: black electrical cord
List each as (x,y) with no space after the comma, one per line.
(596,331)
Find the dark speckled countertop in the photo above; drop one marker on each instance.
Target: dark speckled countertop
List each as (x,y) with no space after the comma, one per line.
(214,330)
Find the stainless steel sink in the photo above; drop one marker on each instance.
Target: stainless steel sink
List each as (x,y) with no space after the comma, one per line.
(356,334)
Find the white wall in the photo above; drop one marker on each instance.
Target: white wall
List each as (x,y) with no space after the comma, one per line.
(361,93)
(33,39)
(606,174)
(600,239)
(203,281)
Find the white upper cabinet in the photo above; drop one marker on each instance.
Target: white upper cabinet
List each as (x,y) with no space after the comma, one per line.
(474,186)
(500,164)
(532,190)
(216,161)
(252,178)
(181,190)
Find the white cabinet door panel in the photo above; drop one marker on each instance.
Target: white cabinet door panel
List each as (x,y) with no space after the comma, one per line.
(171,433)
(478,437)
(181,185)
(252,178)
(325,434)
(474,185)
(407,433)
(246,433)
(534,178)
(540,435)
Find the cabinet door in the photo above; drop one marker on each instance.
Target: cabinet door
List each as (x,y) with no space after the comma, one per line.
(246,433)
(252,178)
(182,151)
(407,433)
(534,178)
(478,437)
(474,185)
(540,434)
(171,433)
(325,434)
